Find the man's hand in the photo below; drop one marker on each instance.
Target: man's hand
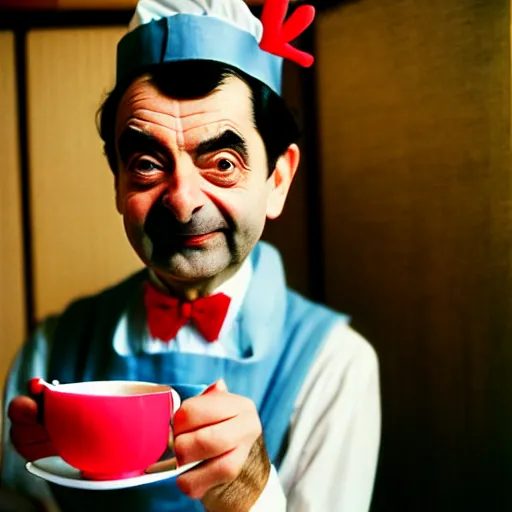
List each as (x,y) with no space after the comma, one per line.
(225,431)
(28,436)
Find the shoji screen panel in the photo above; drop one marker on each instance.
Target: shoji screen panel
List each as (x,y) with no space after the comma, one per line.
(78,239)
(12,312)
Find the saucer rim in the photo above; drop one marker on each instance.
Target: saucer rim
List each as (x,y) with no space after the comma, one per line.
(79,483)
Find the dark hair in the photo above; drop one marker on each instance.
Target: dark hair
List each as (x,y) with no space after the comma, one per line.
(195,79)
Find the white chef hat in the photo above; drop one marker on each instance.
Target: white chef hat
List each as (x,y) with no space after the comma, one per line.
(219,30)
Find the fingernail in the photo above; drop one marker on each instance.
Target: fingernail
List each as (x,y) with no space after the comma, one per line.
(221,385)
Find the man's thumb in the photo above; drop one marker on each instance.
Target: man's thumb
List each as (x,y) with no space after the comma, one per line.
(219,385)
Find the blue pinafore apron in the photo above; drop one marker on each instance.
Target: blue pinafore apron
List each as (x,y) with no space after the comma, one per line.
(283,329)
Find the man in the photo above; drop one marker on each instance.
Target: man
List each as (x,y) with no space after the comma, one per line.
(281,396)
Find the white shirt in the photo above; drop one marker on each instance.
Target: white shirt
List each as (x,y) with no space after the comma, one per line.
(334,435)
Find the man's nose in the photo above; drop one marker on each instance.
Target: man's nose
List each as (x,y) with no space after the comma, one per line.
(184,196)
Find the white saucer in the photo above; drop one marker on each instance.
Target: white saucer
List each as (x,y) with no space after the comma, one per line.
(55,470)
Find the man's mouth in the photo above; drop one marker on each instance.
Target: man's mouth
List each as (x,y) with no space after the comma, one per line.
(196,240)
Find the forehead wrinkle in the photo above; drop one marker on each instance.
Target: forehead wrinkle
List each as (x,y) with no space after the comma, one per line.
(226,121)
(180,136)
(167,114)
(169,121)
(152,116)
(223,123)
(142,97)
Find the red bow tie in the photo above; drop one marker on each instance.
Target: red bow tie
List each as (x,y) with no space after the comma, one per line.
(167,315)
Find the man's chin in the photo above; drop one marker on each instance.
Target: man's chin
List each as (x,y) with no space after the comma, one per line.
(190,264)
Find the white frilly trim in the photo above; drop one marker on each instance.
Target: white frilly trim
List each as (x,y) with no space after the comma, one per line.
(235,12)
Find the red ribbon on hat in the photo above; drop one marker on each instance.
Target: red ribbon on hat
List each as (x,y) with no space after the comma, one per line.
(278,33)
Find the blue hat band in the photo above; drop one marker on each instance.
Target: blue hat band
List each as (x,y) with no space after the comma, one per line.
(185,37)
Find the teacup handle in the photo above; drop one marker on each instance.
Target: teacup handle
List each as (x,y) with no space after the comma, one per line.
(36,388)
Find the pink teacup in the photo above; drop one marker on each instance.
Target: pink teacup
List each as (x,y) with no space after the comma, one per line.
(109,430)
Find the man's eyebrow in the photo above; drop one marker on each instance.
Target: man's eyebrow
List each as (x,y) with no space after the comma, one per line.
(133,139)
(226,140)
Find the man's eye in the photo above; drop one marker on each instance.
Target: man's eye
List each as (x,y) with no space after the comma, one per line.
(225,165)
(145,165)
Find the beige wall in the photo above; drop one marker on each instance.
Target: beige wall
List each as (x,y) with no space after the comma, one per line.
(79,244)
(12,312)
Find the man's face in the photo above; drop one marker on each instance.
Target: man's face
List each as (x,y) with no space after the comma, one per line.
(192,182)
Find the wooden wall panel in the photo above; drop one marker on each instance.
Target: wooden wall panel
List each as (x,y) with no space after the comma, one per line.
(415,131)
(12,305)
(79,241)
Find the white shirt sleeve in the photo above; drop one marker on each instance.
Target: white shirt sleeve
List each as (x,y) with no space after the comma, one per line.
(334,437)
(334,440)
(272,498)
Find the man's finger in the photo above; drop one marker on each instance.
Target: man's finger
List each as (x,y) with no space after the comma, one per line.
(219,385)
(37,451)
(214,407)
(24,434)
(23,409)
(213,441)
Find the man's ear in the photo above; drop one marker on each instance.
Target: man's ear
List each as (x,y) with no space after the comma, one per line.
(281,179)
